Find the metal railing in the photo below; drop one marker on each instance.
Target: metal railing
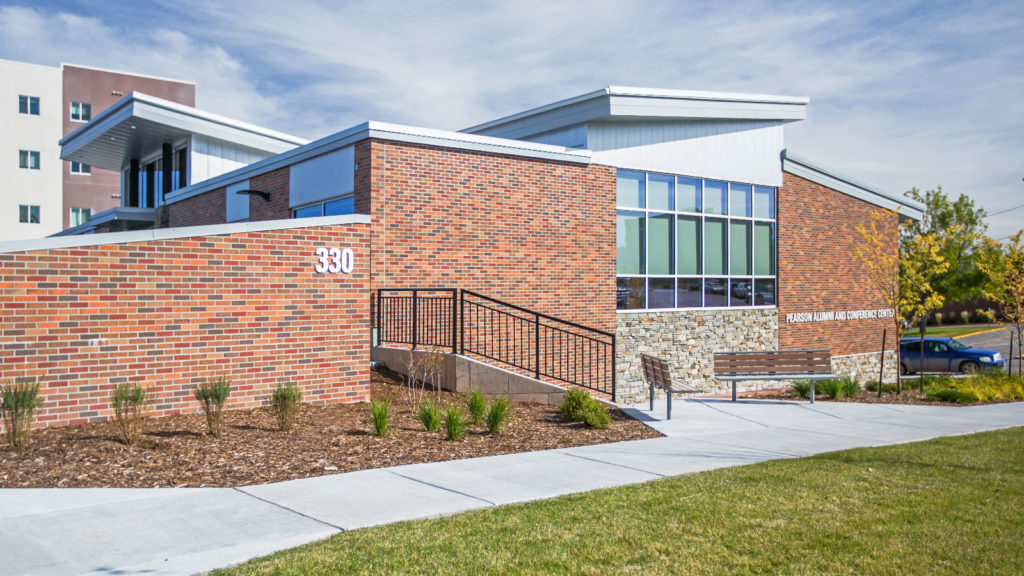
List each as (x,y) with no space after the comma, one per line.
(543,345)
(417,316)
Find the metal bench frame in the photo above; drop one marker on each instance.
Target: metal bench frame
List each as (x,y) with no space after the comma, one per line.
(811,365)
(658,376)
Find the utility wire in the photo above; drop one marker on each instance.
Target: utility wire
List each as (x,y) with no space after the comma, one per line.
(1005,211)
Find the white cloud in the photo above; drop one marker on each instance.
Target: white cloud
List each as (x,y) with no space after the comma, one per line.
(902,94)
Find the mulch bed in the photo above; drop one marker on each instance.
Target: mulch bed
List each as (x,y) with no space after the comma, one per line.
(325,440)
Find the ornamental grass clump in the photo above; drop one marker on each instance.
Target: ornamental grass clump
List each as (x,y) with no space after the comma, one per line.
(454,423)
(380,412)
(802,388)
(284,403)
(212,395)
(430,416)
(477,406)
(130,403)
(18,404)
(579,406)
(496,415)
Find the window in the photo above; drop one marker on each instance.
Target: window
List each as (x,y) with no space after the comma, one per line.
(28,159)
(692,243)
(337,207)
(81,111)
(80,168)
(28,105)
(80,216)
(28,214)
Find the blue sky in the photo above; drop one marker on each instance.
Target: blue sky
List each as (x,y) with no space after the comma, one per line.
(903,94)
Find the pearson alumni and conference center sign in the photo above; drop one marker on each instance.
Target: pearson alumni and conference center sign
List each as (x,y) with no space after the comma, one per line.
(839,315)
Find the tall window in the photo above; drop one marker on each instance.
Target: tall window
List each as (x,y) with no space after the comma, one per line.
(28,159)
(81,111)
(693,243)
(28,105)
(80,168)
(338,207)
(80,216)
(28,214)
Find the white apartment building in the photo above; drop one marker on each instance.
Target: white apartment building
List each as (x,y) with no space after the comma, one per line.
(31,111)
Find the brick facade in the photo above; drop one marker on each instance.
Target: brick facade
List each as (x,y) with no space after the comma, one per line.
(207,208)
(818,271)
(171,313)
(534,233)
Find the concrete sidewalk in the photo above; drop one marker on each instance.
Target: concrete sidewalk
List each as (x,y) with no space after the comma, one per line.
(183,531)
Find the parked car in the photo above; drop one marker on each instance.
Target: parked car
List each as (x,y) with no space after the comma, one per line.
(945,355)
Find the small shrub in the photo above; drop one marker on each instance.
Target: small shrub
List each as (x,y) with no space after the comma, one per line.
(212,395)
(828,388)
(873,387)
(380,410)
(937,394)
(938,318)
(849,386)
(497,412)
(130,402)
(574,405)
(965,317)
(477,406)
(596,415)
(18,403)
(430,416)
(802,388)
(454,423)
(284,403)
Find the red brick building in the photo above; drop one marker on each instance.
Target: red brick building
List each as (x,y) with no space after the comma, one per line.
(674,220)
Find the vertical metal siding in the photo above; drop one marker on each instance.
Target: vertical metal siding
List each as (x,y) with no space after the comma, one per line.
(740,151)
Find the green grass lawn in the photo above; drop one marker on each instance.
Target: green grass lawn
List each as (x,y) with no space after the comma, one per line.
(948,506)
(955,330)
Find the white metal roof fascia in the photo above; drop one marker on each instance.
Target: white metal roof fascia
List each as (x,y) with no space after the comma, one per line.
(174,115)
(123,73)
(174,233)
(625,101)
(391,132)
(115,213)
(830,179)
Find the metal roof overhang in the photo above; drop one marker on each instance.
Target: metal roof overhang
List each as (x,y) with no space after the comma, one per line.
(139,125)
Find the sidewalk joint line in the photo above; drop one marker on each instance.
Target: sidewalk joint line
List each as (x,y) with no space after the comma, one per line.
(615,464)
(704,403)
(283,507)
(446,489)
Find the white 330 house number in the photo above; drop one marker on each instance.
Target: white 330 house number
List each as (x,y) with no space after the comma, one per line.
(332,261)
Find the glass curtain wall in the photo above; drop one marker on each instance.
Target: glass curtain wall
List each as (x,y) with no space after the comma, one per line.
(693,243)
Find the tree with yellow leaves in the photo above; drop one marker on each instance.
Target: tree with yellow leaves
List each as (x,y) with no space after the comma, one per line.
(902,273)
(1003,266)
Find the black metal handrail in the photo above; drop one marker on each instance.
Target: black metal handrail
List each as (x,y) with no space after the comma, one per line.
(417,316)
(540,344)
(544,345)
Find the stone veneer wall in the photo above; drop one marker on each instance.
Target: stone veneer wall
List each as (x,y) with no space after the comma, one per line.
(686,340)
(864,367)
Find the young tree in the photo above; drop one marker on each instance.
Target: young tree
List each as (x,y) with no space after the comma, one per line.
(901,272)
(1003,266)
(959,227)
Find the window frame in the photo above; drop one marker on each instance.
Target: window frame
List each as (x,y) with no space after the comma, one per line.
(87,171)
(83,111)
(27,210)
(25,158)
(701,216)
(87,212)
(28,101)
(323,204)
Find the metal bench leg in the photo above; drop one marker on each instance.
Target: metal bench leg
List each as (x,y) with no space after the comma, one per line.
(812,391)
(652,396)
(734,391)
(669,410)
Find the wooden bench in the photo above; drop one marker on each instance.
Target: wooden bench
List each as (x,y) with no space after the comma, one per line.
(657,375)
(808,365)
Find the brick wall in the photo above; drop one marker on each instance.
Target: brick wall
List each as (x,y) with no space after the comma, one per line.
(171,313)
(535,233)
(818,271)
(206,208)
(275,182)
